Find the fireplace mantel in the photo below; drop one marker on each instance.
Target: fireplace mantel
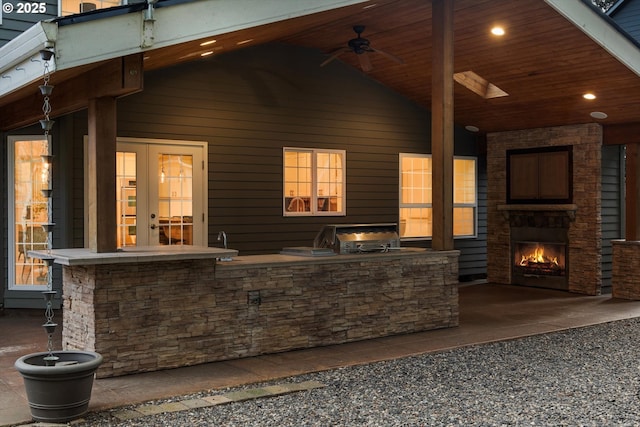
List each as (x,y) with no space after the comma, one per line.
(569,209)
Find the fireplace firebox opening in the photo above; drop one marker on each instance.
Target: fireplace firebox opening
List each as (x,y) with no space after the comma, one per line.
(540,259)
(540,253)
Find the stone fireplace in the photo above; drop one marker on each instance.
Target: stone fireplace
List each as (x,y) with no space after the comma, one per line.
(553,244)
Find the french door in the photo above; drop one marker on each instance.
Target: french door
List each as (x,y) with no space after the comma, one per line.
(160,193)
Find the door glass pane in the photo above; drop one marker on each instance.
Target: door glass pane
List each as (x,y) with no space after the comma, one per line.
(127,198)
(31,211)
(175,199)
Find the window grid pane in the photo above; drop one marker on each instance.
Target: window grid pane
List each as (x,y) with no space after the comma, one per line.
(463,221)
(416,222)
(464,181)
(416,180)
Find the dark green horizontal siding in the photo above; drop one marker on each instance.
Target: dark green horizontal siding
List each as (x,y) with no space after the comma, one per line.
(14,23)
(612,207)
(249,104)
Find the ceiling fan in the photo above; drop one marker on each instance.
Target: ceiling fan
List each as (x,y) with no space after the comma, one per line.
(361,47)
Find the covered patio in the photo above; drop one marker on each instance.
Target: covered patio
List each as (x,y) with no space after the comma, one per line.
(520,91)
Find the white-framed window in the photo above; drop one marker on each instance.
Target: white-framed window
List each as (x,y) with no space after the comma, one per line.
(28,210)
(314,182)
(72,7)
(416,210)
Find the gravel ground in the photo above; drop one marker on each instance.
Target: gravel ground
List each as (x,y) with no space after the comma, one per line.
(580,377)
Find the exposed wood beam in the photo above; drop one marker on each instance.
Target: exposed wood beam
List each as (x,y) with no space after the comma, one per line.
(114,78)
(102,175)
(622,134)
(442,124)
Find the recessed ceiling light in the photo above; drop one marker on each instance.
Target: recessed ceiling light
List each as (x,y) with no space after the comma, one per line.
(244,42)
(206,53)
(208,42)
(589,96)
(471,128)
(369,6)
(599,115)
(497,31)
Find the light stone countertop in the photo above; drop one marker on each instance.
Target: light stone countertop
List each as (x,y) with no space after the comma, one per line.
(225,258)
(132,254)
(269,260)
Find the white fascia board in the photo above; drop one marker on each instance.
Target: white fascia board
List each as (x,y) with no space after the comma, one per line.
(100,39)
(215,17)
(598,29)
(21,63)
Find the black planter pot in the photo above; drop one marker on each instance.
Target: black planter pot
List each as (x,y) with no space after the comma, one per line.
(59,393)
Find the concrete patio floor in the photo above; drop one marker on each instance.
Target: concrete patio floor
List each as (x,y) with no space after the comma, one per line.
(488,313)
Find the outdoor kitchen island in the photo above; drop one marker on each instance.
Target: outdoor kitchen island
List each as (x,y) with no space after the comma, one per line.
(145,311)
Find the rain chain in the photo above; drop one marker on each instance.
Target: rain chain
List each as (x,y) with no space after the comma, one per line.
(46,89)
(50,327)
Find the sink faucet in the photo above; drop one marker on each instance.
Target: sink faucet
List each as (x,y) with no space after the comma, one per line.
(223,236)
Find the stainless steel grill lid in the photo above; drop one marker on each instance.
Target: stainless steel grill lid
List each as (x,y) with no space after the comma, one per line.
(358,238)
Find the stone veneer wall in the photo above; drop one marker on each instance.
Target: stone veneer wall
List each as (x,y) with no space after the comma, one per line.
(626,259)
(158,315)
(585,233)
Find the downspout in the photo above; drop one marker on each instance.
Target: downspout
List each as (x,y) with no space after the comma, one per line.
(147,25)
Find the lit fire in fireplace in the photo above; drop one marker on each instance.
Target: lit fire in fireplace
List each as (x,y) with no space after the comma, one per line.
(538,257)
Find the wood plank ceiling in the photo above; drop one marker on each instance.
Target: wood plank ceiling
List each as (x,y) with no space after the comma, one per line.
(543,62)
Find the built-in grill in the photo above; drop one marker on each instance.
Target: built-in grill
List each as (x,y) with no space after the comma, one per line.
(358,238)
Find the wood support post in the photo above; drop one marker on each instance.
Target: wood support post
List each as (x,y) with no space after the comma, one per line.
(102,174)
(442,124)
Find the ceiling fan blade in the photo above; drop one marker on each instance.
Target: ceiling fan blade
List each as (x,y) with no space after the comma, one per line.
(365,62)
(334,55)
(388,55)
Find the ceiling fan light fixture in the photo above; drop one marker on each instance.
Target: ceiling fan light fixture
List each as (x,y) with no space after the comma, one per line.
(361,47)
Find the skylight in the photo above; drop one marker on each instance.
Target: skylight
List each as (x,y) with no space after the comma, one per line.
(478,85)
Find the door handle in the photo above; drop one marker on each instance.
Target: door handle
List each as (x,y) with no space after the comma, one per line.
(153,226)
